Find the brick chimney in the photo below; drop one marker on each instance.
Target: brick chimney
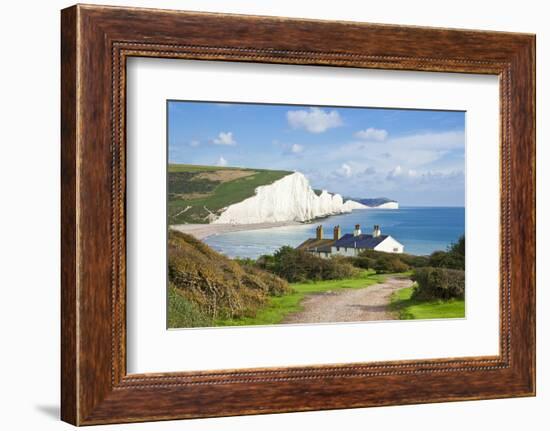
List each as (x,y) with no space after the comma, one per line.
(337,232)
(357,230)
(319,232)
(376,231)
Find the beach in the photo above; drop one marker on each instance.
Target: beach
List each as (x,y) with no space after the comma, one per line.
(202,231)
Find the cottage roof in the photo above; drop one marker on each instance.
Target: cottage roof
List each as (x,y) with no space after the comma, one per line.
(314,244)
(360,241)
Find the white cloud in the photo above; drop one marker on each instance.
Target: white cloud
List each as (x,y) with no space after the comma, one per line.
(296,148)
(411,151)
(436,178)
(372,134)
(290,149)
(221,162)
(194,143)
(225,138)
(314,120)
(441,178)
(394,173)
(436,141)
(346,170)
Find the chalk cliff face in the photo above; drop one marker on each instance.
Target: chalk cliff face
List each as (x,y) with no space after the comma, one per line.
(289,199)
(388,206)
(383,203)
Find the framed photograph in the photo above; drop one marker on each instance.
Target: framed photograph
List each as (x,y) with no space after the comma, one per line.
(323,214)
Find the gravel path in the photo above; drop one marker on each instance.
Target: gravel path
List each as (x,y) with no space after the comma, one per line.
(350,305)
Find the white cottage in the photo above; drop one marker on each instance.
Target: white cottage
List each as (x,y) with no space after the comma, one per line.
(351,244)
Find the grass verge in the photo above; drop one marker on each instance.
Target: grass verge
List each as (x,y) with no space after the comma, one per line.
(409,308)
(280,307)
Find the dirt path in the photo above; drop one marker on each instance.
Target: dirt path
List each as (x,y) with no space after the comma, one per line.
(350,305)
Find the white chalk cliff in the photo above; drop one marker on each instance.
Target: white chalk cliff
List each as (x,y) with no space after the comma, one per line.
(289,199)
(388,206)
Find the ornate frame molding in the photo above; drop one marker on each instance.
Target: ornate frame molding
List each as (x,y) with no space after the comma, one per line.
(96,41)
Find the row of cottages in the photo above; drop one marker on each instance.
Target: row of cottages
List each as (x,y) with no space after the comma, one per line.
(351,244)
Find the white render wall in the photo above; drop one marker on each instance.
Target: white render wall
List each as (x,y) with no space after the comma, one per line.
(344,251)
(390,245)
(322,254)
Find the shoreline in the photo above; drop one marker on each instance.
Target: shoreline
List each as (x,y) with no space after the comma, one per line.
(202,231)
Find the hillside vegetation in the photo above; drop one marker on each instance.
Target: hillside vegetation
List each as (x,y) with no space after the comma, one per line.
(205,286)
(196,194)
(300,266)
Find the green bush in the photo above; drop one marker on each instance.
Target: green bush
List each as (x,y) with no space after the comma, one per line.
(414,261)
(363,262)
(298,266)
(390,263)
(454,257)
(438,283)
(338,268)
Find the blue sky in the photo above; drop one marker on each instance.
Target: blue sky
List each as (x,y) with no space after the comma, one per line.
(413,156)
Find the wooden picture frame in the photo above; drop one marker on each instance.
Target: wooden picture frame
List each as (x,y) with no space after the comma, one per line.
(95,43)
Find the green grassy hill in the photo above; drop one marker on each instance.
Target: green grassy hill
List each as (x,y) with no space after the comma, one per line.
(195,192)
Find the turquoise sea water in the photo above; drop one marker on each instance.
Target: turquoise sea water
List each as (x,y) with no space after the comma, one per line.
(421,230)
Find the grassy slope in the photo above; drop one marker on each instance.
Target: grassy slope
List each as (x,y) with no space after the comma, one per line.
(205,285)
(279,307)
(224,193)
(182,313)
(413,309)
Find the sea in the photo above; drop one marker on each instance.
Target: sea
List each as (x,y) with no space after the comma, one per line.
(422,230)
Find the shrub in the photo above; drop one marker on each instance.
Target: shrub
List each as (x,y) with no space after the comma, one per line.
(438,283)
(414,261)
(444,259)
(363,262)
(297,266)
(437,258)
(390,263)
(453,258)
(206,286)
(459,248)
(181,312)
(338,267)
